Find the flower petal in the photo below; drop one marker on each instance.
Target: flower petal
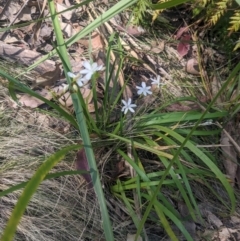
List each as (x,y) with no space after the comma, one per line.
(131,109)
(143,84)
(80,82)
(124,102)
(87,65)
(71,75)
(94,67)
(88,76)
(140,92)
(84,71)
(100,68)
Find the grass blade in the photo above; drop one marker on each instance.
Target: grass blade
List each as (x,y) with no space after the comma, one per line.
(168,4)
(82,126)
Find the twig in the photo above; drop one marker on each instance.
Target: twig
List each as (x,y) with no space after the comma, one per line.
(230,138)
(23,6)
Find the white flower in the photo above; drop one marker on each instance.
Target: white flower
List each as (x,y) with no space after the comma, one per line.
(80,81)
(90,69)
(71,75)
(144,89)
(128,106)
(157,81)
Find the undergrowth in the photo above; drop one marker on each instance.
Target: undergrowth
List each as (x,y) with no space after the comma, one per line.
(163,153)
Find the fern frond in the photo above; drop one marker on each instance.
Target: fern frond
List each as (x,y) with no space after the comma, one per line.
(219,10)
(237,46)
(235,21)
(139,11)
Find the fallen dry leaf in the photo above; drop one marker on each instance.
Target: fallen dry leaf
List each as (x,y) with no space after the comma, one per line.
(95,42)
(66,100)
(67,29)
(25,14)
(216,86)
(30,101)
(229,154)
(131,30)
(10,11)
(91,107)
(184,43)
(192,67)
(188,222)
(82,165)
(181,32)
(68,14)
(45,73)
(87,94)
(120,168)
(182,107)
(135,30)
(158,47)
(225,234)
(45,31)
(10,40)
(213,219)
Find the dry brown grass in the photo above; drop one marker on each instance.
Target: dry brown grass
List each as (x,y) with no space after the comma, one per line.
(62,208)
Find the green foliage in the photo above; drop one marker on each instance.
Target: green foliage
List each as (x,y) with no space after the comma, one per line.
(224,15)
(235,21)
(80,124)
(145,132)
(143,6)
(217,10)
(140,10)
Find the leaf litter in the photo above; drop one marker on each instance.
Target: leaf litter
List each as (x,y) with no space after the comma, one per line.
(27,44)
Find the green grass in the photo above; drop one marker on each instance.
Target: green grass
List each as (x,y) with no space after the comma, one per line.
(170,139)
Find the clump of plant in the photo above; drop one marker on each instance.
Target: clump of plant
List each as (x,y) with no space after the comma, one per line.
(166,137)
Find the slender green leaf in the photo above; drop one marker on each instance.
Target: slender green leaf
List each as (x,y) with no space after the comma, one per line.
(168,4)
(206,160)
(238,1)
(175,117)
(82,126)
(153,193)
(128,205)
(170,215)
